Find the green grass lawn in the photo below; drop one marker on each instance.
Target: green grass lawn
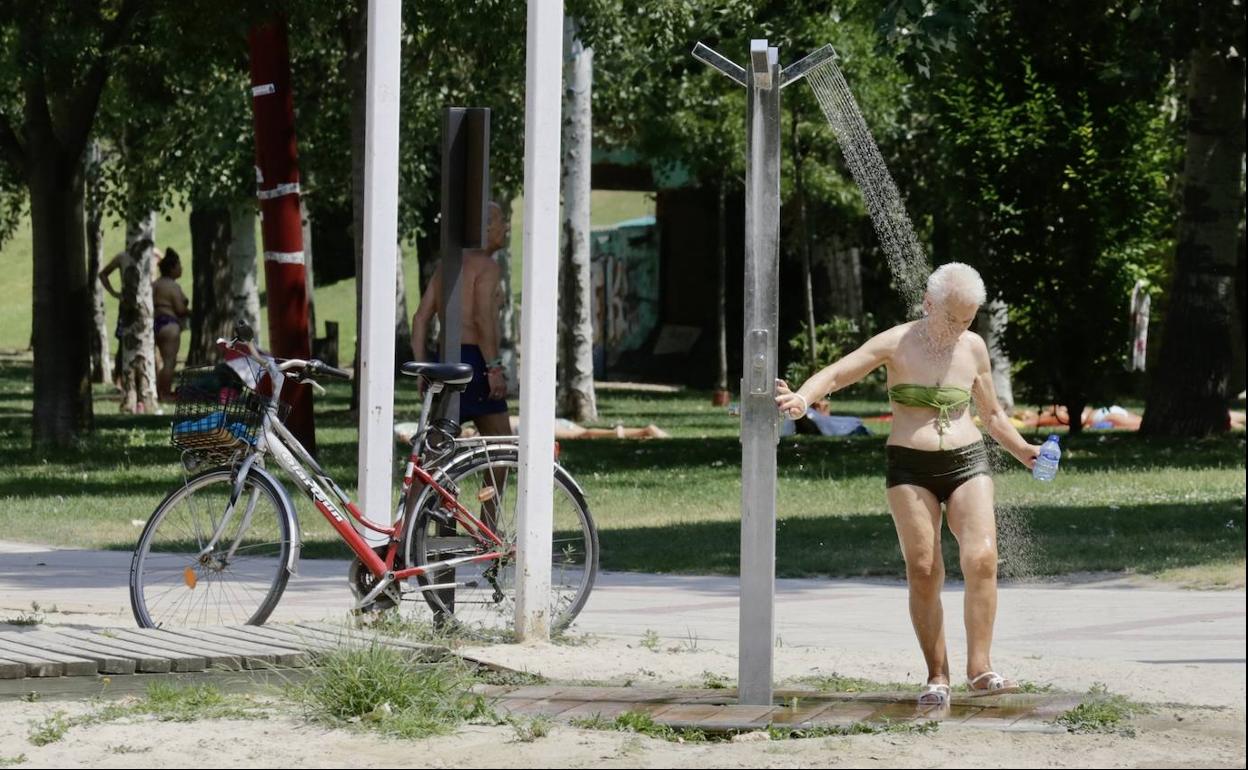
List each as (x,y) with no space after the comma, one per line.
(334,302)
(1120,503)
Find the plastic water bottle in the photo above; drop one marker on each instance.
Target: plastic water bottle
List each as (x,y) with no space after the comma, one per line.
(1046,464)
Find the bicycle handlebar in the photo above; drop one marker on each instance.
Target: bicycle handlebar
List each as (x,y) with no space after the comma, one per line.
(309,368)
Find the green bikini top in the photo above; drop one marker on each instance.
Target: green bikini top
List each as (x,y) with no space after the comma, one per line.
(942,399)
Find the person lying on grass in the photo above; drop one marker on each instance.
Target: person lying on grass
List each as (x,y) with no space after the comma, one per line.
(935,455)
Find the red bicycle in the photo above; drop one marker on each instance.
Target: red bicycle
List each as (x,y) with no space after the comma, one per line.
(220,548)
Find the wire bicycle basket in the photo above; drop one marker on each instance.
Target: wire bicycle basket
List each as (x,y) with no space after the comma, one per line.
(215,413)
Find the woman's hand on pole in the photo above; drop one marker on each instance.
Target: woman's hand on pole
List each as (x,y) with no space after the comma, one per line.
(791,403)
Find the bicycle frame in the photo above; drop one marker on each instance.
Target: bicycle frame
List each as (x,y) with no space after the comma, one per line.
(277,440)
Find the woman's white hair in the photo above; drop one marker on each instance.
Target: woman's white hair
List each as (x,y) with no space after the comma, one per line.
(956,280)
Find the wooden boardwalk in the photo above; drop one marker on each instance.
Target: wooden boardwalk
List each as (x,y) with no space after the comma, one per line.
(717,710)
(63,660)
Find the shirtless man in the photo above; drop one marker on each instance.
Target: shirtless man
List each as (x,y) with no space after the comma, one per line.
(169,307)
(935,455)
(483,401)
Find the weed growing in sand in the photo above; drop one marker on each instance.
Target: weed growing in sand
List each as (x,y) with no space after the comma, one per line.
(32,617)
(385,689)
(1101,712)
(165,702)
(529,730)
(640,723)
(834,682)
(125,748)
(713,681)
(16,759)
(450,634)
(49,730)
(886,726)
(650,640)
(566,638)
(507,678)
(688,644)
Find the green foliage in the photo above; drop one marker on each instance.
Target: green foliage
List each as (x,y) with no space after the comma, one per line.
(833,340)
(385,689)
(530,729)
(1057,164)
(1101,712)
(50,729)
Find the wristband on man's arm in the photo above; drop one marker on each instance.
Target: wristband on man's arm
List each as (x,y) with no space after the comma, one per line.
(495,363)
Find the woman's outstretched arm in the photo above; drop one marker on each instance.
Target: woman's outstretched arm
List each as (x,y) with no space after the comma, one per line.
(839,374)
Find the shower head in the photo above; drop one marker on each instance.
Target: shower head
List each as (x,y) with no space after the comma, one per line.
(799,69)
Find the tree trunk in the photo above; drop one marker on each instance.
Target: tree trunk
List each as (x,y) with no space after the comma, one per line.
(212,314)
(507,347)
(844,267)
(721,396)
(101,363)
(992,321)
(61,319)
(1188,394)
(402,322)
(357,79)
(576,321)
(306,222)
(138,341)
(808,286)
(244,288)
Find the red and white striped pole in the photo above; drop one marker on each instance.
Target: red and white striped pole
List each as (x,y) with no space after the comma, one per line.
(277,187)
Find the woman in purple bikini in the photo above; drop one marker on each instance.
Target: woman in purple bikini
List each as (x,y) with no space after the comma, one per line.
(936,456)
(169,307)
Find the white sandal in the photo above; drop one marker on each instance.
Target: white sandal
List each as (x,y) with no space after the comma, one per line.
(997,684)
(934,695)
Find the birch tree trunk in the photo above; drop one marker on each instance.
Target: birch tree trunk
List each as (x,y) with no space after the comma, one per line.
(576,324)
(101,363)
(244,288)
(138,341)
(722,395)
(507,339)
(992,321)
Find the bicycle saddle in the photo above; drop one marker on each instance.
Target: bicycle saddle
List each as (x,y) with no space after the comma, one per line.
(451,374)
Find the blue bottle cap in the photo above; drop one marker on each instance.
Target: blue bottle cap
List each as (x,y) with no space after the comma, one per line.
(1053,438)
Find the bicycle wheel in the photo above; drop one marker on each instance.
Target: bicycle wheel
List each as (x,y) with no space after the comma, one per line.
(484,600)
(177,580)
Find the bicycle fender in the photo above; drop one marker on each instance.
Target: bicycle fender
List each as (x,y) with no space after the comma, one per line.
(485,451)
(288,510)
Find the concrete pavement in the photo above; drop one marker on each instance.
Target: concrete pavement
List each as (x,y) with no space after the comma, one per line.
(1149,641)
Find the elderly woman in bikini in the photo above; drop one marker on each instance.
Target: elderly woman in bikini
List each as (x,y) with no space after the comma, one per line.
(935,454)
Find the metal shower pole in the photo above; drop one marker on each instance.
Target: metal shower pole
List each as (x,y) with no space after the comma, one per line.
(760,419)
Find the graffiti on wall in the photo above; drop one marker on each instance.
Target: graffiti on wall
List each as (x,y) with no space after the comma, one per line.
(625,264)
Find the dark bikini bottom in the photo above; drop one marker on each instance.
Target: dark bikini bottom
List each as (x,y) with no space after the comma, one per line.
(162,320)
(939,472)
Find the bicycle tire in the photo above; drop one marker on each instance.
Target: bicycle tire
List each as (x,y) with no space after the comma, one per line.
(574,551)
(171,584)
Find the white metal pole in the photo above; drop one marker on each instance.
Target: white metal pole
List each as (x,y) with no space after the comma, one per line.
(539,301)
(381,227)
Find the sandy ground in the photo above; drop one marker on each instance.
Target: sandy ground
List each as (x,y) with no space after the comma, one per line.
(1171,735)
(1154,643)
(1202,738)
